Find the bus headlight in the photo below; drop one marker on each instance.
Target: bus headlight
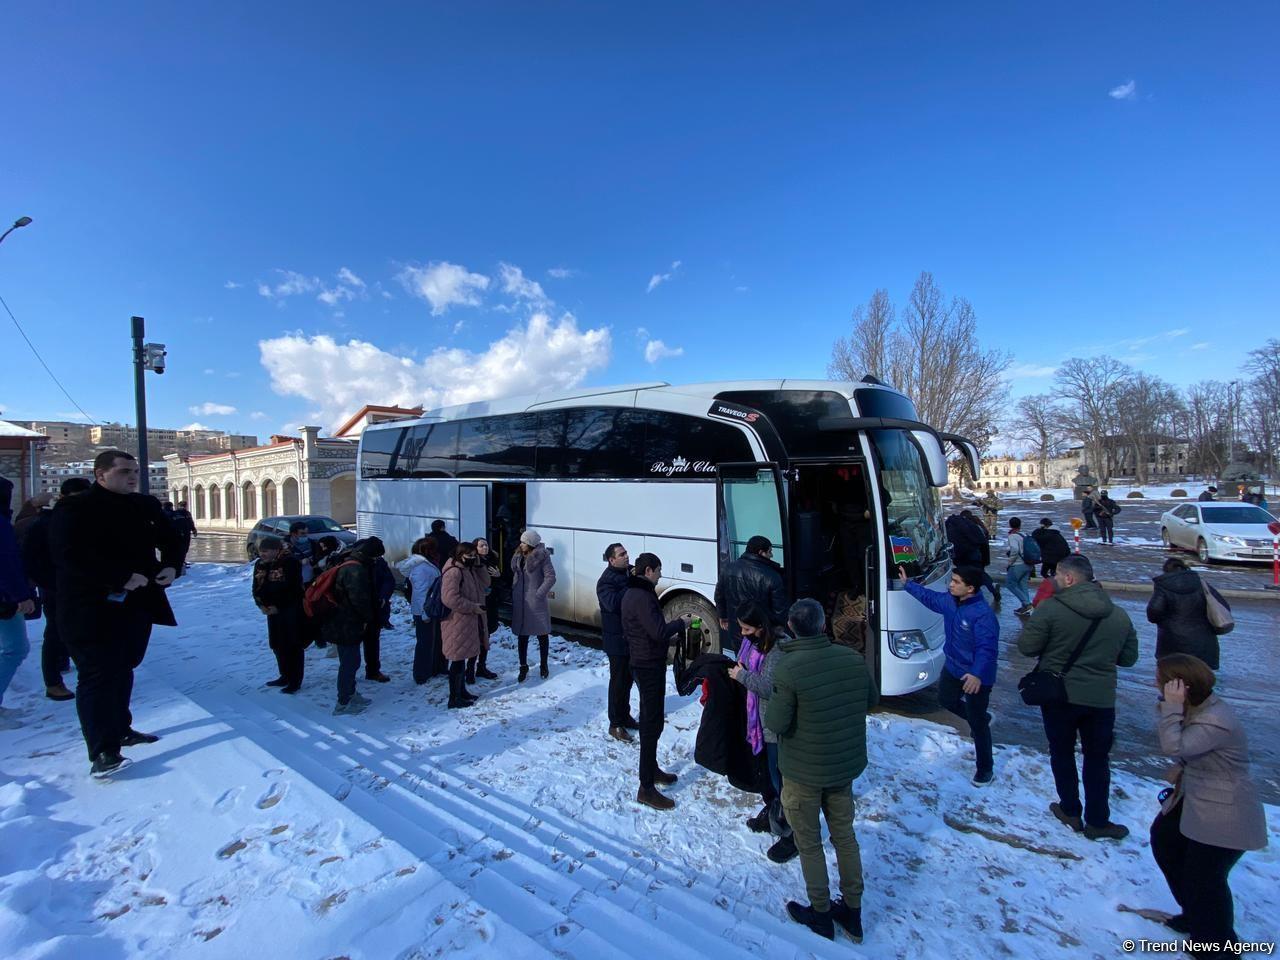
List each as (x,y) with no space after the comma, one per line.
(907,643)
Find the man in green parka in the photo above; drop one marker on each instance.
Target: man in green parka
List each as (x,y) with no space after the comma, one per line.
(821,695)
(1054,631)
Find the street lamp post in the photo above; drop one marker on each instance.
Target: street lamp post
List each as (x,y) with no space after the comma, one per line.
(20,222)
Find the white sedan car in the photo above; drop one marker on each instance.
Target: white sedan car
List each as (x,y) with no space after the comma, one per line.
(1219,531)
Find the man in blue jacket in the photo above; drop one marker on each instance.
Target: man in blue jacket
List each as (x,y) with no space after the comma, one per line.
(971,648)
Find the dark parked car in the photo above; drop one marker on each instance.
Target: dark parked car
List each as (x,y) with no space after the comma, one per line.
(317,527)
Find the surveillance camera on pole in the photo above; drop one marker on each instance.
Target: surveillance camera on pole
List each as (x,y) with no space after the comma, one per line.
(153,357)
(146,356)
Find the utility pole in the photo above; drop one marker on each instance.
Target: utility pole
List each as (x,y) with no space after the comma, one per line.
(146,356)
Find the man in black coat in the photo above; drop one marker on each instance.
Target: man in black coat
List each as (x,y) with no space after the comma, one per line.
(110,591)
(184,525)
(1053,547)
(446,542)
(648,634)
(609,590)
(970,546)
(753,576)
(37,560)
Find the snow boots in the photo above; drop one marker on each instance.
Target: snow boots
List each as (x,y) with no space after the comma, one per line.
(820,923)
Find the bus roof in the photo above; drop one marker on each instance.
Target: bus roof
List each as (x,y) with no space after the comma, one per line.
(549,399)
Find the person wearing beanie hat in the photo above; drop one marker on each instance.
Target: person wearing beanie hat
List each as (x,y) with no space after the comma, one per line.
(532,577)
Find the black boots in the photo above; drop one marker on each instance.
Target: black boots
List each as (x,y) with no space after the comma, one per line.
(544,648)
(471,671)
(459,695)
(819,923)
(482,670)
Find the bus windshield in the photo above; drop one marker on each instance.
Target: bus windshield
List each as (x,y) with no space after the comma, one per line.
(913,510)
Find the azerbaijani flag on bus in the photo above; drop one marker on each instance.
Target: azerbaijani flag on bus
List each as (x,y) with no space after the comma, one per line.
(904,550)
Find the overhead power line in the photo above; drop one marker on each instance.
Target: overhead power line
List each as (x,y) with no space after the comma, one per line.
(42,363)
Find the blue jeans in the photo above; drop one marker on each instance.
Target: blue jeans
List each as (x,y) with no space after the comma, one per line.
(775,775)
(1016,581)
(348,666)
(14,647)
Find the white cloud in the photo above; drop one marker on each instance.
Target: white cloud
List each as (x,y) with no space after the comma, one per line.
(561,273)
(1203,345)
(232,285)
(211,409)
(195,426)
(660,278)
(341,377)
(521,287)
(291,284)
(1029,371)
(257,415)
(741,288)
(209,371)
(656,350)
(345,275)
(335,296)
(1126,91)
(444,285)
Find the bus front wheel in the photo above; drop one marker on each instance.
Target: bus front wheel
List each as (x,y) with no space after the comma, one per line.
(701,609)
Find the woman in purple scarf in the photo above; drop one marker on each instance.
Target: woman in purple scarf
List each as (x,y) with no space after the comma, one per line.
(757,657)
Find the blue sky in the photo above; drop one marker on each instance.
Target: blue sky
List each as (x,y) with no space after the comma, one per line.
(728,180)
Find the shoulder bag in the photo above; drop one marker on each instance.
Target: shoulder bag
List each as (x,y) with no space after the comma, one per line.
(1040,687)
(1217,611)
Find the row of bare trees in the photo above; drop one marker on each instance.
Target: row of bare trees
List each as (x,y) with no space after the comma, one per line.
(1128,420)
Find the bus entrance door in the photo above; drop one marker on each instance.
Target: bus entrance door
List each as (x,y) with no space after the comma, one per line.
(749,502)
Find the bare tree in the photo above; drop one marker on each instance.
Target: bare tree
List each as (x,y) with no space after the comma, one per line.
(1038,422)
(930,351)
(1146,412)
(1091,387)
(1207,425)
(1260,410)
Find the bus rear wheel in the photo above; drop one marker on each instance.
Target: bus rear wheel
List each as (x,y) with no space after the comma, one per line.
(698,607)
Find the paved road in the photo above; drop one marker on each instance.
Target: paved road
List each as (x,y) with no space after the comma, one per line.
(1249,679)
(1137,553)
(218,548)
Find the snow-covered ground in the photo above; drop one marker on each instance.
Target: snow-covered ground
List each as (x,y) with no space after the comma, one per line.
(262,825)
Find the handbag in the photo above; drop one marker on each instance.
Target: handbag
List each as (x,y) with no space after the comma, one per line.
(1217,611)
(1040,687)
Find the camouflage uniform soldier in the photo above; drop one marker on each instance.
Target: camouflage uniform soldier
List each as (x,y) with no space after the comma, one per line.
(990,513)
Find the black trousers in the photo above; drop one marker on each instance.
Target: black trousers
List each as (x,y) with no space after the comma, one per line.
(1107,529)
(104,684)
(287,641)
(652,684)
(620,681)
(491,610)
(973,708)
(544,648)
(54,658)
(373,647)
(1197,877)
(1064,723)
(428,658)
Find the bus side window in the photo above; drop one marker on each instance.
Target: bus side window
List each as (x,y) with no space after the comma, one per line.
(429,451)
(378,450)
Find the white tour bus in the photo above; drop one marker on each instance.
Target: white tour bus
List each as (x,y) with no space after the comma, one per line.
(841,477)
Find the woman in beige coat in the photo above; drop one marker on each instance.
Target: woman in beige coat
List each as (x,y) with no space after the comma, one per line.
(463,632)
(1213,814)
